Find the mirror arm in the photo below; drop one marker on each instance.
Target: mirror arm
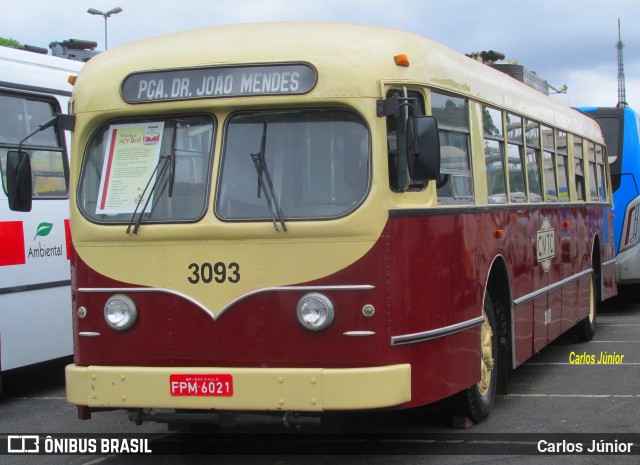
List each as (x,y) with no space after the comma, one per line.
(65,122)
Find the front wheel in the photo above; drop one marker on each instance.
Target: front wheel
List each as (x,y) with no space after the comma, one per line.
(477,401)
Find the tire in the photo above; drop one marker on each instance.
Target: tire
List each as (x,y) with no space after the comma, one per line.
(586,329)
(477,401)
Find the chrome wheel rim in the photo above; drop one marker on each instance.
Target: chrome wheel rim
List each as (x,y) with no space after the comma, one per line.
(486,363)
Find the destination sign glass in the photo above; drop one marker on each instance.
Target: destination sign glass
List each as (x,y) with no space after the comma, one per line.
(215,82)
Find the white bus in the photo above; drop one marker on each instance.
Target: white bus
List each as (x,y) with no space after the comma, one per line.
(35,295)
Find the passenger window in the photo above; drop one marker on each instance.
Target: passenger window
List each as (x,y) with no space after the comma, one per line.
(578,167)
(452,113)
(563,166)
(593,176)
(494,155)
(602,179)
(534,177)
(515,149)
(549,163)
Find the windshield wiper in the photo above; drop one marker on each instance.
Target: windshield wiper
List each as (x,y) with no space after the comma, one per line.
(269,192)
(164,162)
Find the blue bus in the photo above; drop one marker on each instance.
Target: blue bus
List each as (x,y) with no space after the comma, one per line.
(620,127)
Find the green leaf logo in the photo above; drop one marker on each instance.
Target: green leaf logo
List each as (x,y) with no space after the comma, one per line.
(43,230)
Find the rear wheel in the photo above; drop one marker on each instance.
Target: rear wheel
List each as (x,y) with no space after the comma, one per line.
(477,401)
(586,329)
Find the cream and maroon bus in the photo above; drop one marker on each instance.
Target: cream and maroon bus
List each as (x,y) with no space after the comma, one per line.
(296,218)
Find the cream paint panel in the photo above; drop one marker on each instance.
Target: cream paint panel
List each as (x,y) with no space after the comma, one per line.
(299,389)
(269,264)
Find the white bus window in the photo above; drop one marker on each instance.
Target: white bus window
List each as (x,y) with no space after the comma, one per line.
(20,117)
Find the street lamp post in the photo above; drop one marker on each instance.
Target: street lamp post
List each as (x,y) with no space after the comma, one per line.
(113,11)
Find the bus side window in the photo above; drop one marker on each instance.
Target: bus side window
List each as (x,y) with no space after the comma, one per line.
(515,149)
(532,138)
(593,177)
(563,166)
(494,154)
(549,164)
(415,109)
(602,179)
(578,167)
(452,114)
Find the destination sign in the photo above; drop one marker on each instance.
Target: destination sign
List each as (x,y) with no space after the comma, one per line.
(216,82)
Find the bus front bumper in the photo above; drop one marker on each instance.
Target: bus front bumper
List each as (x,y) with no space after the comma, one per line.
(259,389)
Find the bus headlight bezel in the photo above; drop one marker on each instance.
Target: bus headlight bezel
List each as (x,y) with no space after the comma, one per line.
(315,311)
(120,312)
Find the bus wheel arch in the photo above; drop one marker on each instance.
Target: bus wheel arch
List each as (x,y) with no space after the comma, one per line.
(499,289)
(477,401)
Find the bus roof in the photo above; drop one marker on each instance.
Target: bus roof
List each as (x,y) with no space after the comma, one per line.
(37,72)
(363,56)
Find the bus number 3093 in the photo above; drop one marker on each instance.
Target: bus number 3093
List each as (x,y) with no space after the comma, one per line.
(219,272)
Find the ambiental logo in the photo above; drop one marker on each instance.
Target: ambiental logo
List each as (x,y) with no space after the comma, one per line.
(43,230)
(44,250)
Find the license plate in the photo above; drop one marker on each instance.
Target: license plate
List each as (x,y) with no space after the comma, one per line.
(201,385)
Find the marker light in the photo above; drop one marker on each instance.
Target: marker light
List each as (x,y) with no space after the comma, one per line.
(315,311)
(120,312)
(402,60)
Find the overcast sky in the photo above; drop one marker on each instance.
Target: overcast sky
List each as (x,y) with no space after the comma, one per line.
(568,42)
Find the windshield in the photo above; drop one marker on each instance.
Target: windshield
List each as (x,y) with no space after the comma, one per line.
(124,157)
(317,162)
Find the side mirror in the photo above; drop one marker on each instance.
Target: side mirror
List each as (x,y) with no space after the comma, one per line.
(423,148)
(19,182)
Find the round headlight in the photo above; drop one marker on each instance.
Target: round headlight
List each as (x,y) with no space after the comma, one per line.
(315,311)
(120,312)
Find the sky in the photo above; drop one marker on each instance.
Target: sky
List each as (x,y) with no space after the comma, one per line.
(566,42)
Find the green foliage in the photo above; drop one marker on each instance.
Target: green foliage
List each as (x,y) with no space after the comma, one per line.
(9,42)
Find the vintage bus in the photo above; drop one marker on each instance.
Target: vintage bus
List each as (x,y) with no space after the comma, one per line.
(622,136)
(35,282)
(294,218)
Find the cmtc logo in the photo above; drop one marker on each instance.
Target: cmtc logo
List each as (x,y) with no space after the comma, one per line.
(546,244)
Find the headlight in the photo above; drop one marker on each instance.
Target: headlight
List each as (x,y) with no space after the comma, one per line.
(315,311)
(120,312)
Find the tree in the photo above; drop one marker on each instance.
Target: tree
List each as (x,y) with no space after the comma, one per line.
(9,42)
